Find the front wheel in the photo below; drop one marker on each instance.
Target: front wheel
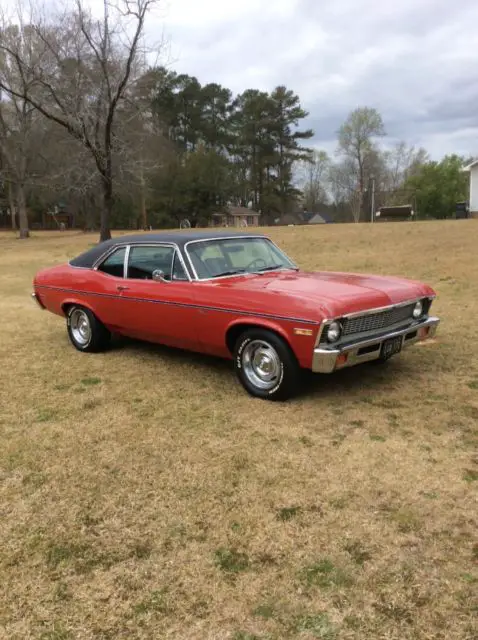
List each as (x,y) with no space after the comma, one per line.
(265,365)
(85,331)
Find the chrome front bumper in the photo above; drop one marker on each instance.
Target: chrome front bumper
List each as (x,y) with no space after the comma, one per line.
(328,359)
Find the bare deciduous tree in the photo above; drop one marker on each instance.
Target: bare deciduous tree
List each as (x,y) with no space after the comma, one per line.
(401,161)
(356,143)
(18,125)
(79,71)
(344,186)
(314,175)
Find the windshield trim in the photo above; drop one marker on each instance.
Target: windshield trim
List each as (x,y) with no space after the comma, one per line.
(235,275)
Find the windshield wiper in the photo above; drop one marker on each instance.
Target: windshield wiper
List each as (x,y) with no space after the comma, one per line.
(274,267)
(231,272)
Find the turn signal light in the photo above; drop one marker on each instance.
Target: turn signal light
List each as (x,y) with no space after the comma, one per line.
(302,332)
(342,359)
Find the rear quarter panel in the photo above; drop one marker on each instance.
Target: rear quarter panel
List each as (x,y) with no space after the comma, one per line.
(63,285)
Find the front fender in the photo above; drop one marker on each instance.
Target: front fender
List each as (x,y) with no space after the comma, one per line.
(301,343)
(262,323)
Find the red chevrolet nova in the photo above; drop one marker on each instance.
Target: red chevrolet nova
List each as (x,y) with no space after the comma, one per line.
(235,295)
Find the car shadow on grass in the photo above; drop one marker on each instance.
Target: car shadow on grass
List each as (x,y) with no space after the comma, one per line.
(362,379)
(173,355)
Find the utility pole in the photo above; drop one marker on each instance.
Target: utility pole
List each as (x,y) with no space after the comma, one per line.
(372,207)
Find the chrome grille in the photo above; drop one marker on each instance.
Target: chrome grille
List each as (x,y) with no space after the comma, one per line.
(378,321)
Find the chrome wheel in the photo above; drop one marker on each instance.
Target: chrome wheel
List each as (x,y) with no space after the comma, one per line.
(261,364)
(80,327)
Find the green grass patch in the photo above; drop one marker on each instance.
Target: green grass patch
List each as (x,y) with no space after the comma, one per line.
(325,574)
(91,382)
(376,438)
(231,561)
(82,557)
(156,601)
(358,553)
(470,475)
(317,625)
(287,513)
(58,632)
(46,415)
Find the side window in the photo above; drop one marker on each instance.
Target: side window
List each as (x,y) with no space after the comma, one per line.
(144,260)
(114,263)
(178,269)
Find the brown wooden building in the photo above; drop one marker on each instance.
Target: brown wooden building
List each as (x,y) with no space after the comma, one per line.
(235,217)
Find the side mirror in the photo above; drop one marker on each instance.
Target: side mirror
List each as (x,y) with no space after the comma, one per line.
(158,276)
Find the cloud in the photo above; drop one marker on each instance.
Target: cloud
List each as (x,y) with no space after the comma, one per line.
(414,61)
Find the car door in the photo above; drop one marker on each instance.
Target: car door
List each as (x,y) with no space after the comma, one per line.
(159,311)
(105,283)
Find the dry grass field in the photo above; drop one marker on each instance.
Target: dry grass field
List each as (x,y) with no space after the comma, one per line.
(143,494)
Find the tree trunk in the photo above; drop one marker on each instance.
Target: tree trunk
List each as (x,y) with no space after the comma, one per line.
(22,212)
(107,208)
(142,204)
(11,203)
(362,188)
(143,212)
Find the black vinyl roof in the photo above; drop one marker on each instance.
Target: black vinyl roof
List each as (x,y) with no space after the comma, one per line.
(88,258)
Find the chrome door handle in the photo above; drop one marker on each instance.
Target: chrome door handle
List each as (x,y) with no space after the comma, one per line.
(121,287)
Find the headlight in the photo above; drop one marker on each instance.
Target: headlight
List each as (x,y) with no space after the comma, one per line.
(333,331)
(418,310)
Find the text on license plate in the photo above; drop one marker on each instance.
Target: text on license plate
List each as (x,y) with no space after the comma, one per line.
(391,347)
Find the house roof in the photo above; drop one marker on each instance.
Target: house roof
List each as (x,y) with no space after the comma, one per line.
(306,215)
(237,211)
(290,218)
(319,218)
(470,166)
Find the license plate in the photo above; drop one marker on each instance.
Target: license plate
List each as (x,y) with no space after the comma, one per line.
(391,347)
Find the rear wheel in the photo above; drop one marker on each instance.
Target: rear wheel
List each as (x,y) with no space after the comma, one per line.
(265,365)
(85,331)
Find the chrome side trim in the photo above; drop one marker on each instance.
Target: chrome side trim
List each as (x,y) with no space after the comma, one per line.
(239,312)
(126,261)
(251,237)
(325,359)
(74,266)
(321,330)
(106,254)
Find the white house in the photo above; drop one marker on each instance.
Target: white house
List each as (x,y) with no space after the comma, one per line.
(472,169)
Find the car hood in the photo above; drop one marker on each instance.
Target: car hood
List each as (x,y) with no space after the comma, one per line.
(336,293)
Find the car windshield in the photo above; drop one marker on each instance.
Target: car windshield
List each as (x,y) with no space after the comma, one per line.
(215,258)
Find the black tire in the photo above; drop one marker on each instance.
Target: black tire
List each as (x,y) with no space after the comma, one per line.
(279,358)
(92,336)
(380,362)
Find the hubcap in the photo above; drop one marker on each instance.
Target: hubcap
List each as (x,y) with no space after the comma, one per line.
(261,364)
(80,327)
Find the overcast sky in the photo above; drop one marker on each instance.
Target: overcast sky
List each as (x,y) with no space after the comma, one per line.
(416,61)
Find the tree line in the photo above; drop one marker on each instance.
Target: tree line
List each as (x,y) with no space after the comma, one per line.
(87,125)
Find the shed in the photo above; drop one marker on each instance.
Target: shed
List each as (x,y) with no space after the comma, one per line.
(395,214)
(235,217)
